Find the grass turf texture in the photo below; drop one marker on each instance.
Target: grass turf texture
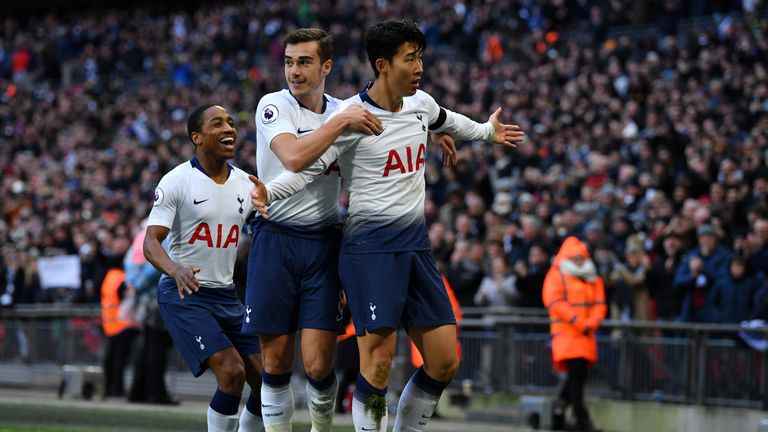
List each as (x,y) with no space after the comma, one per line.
(17,417)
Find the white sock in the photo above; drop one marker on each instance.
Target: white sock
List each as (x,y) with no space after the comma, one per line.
(277,407)
(321,404)
(364,421)
(249,422)
(415,408)
(218,422)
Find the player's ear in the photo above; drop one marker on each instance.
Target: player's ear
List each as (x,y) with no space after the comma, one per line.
(327,66)
(382,65)
(196,138)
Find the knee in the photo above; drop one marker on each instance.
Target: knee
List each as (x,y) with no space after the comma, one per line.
(380,370)
(443,370)
(231,376)
(318,369)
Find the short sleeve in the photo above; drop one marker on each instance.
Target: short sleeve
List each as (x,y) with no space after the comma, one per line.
(432,108)
(275,116)
(167,198)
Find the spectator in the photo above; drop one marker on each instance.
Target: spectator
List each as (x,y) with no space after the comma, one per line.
(151,361)
(498,288)
(530,276)
(465,272)
(667,299)
(698,271)
(733,296)
(631,281)
(757,245)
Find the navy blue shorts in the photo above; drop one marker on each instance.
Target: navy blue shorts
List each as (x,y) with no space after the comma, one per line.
(204,323)
(293,282)
(387,289)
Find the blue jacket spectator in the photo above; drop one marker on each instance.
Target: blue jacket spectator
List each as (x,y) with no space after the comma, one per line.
(733,297)
(698,272)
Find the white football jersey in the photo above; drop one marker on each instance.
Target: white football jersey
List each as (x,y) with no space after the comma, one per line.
(205,219)
(385,172)
(317,206)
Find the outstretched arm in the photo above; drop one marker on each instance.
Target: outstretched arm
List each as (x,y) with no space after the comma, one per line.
(297,152)
(464,128)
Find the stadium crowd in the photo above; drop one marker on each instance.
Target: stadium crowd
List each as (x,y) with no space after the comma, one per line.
(652,146)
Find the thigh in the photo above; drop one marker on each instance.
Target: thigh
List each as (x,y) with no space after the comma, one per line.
(577,369)
(376,286)
(193,326)
(231,316)
(321,302)
(427,304)
(271,302)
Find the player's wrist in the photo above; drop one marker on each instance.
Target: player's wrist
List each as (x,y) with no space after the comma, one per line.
(344,120)
(174,271)
(489,132)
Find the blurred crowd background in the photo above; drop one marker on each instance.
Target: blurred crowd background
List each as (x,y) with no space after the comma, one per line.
(647,127)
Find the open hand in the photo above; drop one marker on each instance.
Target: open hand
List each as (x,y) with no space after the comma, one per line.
(504,134)
(360,119)
(259,196)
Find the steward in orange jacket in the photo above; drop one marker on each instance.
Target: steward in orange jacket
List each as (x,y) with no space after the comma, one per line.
(576,305)
(120,332)
(575,298)
(111,320)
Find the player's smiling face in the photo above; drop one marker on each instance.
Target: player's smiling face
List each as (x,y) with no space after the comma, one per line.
(217,135)
(405,69)
(304,70)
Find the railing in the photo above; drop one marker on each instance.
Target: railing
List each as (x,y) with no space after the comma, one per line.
(661,361)
(504,350)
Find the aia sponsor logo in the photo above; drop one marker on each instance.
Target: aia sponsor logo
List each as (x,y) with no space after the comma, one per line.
(404,162)
(204,234)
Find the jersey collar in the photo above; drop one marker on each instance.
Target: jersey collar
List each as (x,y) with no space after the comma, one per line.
(196,164)
(365,98)
(325,102)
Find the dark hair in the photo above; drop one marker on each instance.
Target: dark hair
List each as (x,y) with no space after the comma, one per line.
(195,120)
(385,38)
(324,41)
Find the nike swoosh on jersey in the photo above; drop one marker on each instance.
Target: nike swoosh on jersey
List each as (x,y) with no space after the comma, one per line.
(299,131)
(196,202)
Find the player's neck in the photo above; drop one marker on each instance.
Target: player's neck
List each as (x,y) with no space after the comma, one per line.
(384,96)
(216,169)
(312,101)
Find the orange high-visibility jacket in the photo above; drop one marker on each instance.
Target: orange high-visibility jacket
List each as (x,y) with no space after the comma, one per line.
(574,305)
(110,303)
